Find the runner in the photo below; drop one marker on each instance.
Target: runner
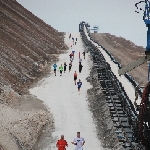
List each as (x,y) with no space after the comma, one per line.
(61,69)
(79,142)
(73,40)
(65,66)
(61,144)
(80,67)
(71,59)
(70,65)
(70,36)
(79,85)
(84,54)
(75,77)
(55,66)
(73,53)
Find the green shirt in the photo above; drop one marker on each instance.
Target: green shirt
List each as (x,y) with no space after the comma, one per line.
(61,68)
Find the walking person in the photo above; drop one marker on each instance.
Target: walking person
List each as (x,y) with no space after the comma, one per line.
(79,142)
(80,67)
(55,66)
(79,85)
(61,144)
(84,54)
(61,69)
(65,66)
(75,77)
(70,65)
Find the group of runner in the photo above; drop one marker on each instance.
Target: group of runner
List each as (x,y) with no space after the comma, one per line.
(73,40)
(63,68)
(78,141)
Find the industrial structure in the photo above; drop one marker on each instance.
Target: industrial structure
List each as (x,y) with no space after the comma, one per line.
(132,121)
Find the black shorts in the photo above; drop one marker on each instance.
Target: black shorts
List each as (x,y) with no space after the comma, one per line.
(75,78)
(60,71)
(69,68)
(54,69)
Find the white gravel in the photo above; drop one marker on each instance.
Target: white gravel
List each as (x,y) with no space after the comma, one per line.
(70,110)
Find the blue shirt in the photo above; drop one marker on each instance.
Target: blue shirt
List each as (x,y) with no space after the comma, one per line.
(79,84)
(55,66)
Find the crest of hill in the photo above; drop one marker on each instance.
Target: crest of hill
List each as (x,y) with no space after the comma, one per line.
(27,44)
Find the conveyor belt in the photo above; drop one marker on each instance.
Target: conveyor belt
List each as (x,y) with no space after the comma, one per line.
(121,108)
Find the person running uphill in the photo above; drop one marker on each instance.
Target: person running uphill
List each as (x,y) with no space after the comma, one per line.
(61,69)
(61,144)
(70,65)
(65,66)
(79,142)
(73,53)
(70,36)
(80,67)
(79,85)
(55,66)
(84,54)
(75,77)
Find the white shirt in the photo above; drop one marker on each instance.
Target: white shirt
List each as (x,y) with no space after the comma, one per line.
(79,142)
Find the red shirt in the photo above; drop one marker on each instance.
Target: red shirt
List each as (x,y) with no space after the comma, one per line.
(61,144)
(75,74)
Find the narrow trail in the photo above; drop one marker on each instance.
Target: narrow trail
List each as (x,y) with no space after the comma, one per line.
(70,110)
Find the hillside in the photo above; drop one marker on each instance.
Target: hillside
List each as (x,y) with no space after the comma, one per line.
(124,51)
(27,48)
(26,45)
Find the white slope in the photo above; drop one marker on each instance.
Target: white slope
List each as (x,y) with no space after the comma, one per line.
(129,88)
(70,110)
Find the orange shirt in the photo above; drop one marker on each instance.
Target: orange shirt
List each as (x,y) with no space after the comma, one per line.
(75,74)
(62,144)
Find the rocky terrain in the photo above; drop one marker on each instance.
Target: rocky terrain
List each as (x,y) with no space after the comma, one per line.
(124,51)
(27,48)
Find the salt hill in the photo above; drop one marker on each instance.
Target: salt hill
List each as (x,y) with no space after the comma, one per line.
(27,48)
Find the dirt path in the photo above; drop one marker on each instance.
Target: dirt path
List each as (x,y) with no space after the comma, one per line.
(70,110)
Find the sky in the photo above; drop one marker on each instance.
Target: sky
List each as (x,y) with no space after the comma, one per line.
(117,17)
